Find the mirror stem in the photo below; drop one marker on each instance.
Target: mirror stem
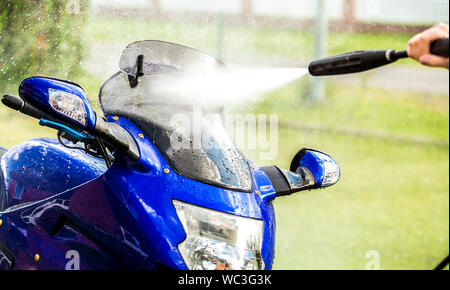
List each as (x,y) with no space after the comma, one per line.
(133,79)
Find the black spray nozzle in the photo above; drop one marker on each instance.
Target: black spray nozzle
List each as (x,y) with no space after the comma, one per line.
(359,61)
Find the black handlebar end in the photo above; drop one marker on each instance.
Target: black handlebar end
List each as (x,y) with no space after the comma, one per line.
(13,102)
(16,103)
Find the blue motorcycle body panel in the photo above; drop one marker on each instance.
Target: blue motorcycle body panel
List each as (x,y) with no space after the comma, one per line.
(118,218)
(41,168)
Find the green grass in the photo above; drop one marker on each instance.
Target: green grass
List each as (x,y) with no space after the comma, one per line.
(367,109)
(238,40)
(392,198)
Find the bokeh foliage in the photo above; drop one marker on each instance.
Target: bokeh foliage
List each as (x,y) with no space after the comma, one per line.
(41,37)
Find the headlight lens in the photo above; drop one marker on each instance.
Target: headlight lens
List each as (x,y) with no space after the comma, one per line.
(219,241)
(68,104)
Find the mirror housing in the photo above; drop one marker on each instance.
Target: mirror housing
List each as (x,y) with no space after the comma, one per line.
(323,167)
(310,169)
(60,99)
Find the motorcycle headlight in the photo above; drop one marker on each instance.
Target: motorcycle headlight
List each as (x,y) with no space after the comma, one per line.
(219,241)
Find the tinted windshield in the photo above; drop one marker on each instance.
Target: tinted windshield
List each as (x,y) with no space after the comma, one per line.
(191,137)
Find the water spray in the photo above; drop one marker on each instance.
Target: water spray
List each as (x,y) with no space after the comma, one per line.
(363,60)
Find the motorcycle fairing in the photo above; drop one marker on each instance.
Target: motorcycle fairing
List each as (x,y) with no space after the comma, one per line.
(40,168)
(152,191)
(123,217)
(126,212)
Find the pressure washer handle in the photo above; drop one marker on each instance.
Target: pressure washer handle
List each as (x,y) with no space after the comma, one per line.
(440,47)
(363,60)
(353,62)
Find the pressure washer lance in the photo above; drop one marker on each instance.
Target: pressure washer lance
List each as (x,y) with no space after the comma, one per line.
(359,61)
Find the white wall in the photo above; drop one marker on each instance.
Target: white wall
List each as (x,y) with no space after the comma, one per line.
(379,11)
(295,8)
(121,3)
(403,11)
(213,6)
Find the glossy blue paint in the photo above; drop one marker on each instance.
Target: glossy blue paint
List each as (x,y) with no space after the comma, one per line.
(151,191)
(92,230)
(41,168)
(315,161)
(125,209)
(130,197)
(35,91)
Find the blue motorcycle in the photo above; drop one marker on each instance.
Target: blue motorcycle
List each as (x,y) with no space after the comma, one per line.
(131,189)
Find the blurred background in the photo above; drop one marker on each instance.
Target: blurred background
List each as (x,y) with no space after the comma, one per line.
(388,128)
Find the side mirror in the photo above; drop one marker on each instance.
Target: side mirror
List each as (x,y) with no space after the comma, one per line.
(309,169)
(62,100)
(318,165)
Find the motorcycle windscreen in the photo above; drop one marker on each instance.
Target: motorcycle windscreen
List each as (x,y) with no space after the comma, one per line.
(189,134)
(162,57)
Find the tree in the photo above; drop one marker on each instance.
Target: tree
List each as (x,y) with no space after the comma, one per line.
(41,37)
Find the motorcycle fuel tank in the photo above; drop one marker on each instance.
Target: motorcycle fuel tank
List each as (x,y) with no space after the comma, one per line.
(40,168)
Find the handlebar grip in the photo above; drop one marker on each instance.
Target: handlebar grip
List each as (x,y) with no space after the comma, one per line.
(17,104)
(13,102)
(440,47)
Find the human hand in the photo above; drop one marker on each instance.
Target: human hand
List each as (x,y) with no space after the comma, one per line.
(419,46)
